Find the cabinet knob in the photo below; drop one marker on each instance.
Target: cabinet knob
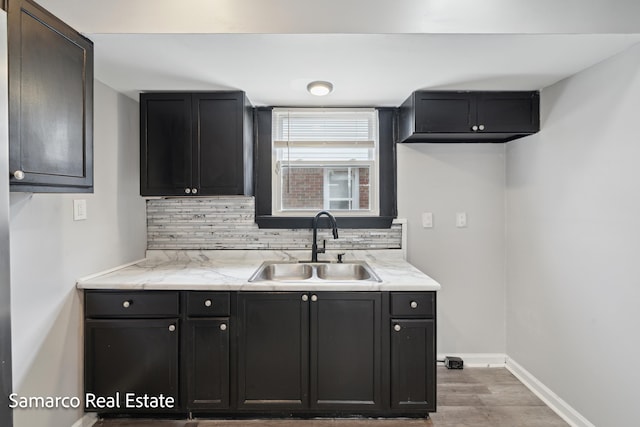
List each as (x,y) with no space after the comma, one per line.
(481,127)
(19,175)
(194,191)
(172,328)
(474,128)
(397,327)
(126,304)
(223,327)
(314,298)
(187,190)
(414,304)
(207,303)
(305,297)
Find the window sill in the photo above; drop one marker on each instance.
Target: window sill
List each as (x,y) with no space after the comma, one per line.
(289,222)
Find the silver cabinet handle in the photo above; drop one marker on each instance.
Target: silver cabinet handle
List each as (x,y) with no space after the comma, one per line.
(194,191)
(314,298)
(126,304)
(19,175)
(397,327)
(172,328)
(305,297)
(481,127)
(474,128)
(208,303)
(414,304)
(223,327)
(187,190)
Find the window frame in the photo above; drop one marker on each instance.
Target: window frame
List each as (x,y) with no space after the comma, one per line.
(386,178)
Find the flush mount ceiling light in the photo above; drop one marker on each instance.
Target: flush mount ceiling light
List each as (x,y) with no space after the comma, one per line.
(319,88)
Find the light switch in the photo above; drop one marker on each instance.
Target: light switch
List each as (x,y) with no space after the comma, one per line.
(79,210)
(461,219)
(427,219)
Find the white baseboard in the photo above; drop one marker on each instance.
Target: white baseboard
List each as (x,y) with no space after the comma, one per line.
(479,360)
(553,401)
(88,420)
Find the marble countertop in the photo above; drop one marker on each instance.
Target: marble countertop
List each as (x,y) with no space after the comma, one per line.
(231,270)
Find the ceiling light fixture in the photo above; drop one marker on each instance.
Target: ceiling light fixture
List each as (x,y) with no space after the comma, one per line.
(319,88)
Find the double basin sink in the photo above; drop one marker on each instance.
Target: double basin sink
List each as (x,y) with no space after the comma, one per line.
(314,271)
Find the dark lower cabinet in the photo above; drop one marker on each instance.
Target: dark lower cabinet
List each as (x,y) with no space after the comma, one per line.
(207,363)
(273,350)
(413,368)
(267,353)
(345,350)
(126,359)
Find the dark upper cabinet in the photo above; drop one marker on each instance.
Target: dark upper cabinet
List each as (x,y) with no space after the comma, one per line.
(443,116)
(196,144)
(50,102)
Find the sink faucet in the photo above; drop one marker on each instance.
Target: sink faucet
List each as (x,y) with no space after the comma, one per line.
(314,247)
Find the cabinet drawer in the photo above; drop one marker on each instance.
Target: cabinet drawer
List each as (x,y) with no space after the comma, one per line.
(131,304)
(413,304)
(208,304)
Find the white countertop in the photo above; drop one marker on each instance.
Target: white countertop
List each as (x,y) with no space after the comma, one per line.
(231,270)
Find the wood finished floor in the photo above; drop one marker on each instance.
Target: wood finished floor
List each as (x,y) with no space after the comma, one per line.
(472,397)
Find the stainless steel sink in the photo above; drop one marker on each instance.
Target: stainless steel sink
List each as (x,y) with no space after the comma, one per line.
(283,272)
(314,272)
(340,272)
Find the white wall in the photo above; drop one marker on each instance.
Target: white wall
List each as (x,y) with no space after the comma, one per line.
(468,262)
(573,242)
(49,251)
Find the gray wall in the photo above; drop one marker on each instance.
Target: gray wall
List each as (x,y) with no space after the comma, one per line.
(573,242)
(468,262)
(5,299)
(49,251)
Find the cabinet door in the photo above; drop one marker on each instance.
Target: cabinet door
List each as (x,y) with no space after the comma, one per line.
(506,112)
(413,364)
(273,350)
(208,363)
(219,118)
(166,149)
(50,102)
(444,112)
(131,356)
(345,350)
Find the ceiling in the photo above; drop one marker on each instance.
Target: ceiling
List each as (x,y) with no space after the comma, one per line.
(365,69)
(375,52)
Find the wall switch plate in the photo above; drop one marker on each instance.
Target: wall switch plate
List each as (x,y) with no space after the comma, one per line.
(461,219)
(79,210)
(427,219)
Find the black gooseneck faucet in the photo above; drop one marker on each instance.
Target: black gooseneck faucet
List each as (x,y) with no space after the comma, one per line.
(314,247)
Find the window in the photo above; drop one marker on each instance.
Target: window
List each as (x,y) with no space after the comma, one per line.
(325,159)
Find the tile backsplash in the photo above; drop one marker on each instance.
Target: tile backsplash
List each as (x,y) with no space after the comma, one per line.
(229,223)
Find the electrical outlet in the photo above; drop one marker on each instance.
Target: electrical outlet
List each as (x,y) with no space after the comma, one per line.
(79,210)
(427,219)
(461,219)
